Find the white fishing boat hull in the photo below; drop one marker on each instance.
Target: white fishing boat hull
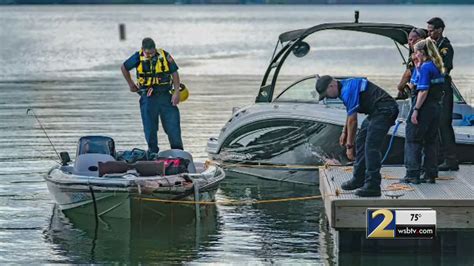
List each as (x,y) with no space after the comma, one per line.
(121,195)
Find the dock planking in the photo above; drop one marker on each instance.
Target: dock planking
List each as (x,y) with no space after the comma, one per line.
(452,197)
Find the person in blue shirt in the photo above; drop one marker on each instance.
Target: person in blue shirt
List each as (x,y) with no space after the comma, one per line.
(157,74)
(362,96)
(423,121)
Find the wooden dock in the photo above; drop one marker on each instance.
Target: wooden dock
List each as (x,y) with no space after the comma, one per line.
(452,197)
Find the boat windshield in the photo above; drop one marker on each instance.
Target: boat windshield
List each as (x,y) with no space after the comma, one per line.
(303,91)
(351,54)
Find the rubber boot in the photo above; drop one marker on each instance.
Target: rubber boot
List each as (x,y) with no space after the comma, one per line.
(369,190)
(428,178)
(449,165)
(411,179)
(353,183)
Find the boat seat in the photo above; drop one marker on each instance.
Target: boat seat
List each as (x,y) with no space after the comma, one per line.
(174,153)
(88,164)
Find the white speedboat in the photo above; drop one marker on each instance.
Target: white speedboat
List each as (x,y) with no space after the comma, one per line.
(97,184)
(285,138)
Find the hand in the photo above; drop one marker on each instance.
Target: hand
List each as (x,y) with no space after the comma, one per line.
(175,98)
(414,117)
(350,154)
(343,139)
(133,87)
(402,95)
(417,60)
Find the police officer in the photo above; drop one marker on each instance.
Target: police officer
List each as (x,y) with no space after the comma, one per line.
(448,143)
(157,74)
(414,36)
(362,96)
(421,134)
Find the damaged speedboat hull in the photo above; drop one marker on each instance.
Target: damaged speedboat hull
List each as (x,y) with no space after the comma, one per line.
(288,141)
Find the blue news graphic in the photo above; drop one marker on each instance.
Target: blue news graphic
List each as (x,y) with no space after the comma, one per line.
(381,223)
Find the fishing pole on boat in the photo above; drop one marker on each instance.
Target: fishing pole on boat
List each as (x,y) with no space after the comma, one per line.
(28,111)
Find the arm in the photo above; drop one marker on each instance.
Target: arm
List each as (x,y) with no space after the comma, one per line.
(351,128)
(403,82)
(343,137)
(176,83)
(128,78)
(447,54)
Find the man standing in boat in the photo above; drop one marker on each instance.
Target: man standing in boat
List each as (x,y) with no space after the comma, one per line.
(157,74)
(362,96)
(448,142)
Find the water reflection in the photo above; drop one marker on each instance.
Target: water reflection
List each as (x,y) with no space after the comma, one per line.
(144,238)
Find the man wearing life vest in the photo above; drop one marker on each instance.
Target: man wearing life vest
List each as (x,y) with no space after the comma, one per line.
(157,74)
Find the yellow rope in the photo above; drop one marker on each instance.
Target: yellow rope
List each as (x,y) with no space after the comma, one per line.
(231,202)
(264,165)
(392,187)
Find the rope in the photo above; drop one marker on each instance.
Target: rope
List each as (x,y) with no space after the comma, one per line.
(391,187)
(270,165)
(232,202)
(391,141)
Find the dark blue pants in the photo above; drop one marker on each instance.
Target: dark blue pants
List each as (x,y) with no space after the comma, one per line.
(369,142)
(158,107)
(446,131)
(421,141)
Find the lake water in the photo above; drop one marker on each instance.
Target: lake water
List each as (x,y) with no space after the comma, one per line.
(64,61)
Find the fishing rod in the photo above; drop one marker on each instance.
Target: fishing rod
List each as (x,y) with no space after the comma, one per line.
(28,111)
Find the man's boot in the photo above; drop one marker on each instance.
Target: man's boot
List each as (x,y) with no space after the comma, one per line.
(369,190)
(412,177)
(429,177)
(353,183)
(449,165)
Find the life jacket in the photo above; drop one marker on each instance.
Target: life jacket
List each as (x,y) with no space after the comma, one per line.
(154,71)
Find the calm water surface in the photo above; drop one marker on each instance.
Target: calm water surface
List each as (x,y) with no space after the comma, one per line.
(64,62)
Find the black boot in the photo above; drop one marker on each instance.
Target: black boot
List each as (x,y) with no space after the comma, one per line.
(352,184)
(449,165)
(369,190)
(410,179)
(428,178)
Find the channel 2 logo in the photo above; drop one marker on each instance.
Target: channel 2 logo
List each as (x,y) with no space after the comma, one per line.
(401,223)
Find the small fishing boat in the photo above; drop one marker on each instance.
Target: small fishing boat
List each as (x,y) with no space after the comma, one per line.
(99,184)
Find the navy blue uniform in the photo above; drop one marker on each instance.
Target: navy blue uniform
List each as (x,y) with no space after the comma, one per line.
(362,96)
(158,106)
(421,139)
(448,141)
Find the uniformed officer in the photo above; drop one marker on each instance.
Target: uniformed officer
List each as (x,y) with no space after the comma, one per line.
(157,73)
(362,96)
(421,134)
(448,142)
(414,36)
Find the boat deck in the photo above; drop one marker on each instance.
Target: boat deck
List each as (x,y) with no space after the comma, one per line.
(452,197)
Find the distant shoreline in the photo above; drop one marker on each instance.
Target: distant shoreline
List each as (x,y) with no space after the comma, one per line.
(234,2)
